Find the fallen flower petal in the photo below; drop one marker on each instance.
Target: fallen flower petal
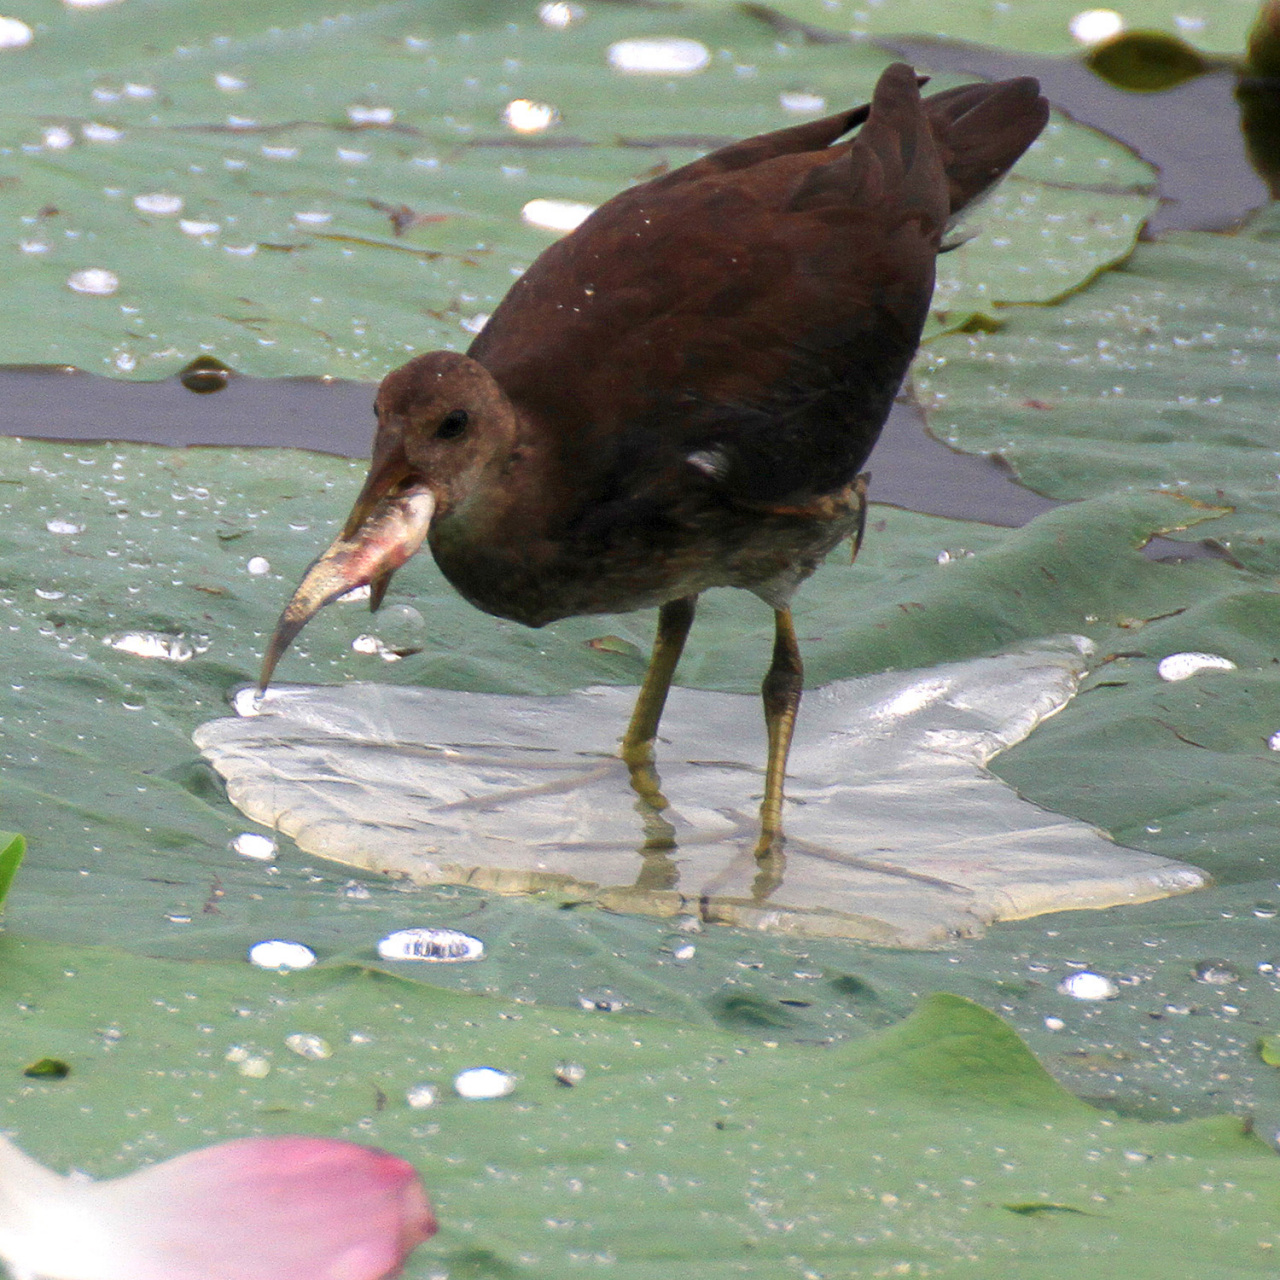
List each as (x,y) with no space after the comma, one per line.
(287,1208)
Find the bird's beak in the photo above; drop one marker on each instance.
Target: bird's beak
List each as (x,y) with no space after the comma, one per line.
(382,532)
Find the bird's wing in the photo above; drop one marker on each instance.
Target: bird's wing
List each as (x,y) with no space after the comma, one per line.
(754,311)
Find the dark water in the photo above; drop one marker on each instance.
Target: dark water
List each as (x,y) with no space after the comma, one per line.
(909,468)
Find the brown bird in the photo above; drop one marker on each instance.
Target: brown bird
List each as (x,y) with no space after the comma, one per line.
(681,393)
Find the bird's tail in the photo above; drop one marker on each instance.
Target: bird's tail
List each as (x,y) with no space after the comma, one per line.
(981,130)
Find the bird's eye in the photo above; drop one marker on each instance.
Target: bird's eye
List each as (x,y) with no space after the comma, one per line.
(453,425)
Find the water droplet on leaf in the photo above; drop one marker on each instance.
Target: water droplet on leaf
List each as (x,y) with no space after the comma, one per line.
(1181,666)
(421,1096)
(663,55)
(152,644)
(94,280)
(277,953)
(312,1047)
(1087,985)
(483,1082)
(802,103)
(556,215)
(255,845)
(557,14)
(205,375)
(1092,26)
(1217,973)
(437,945)
(526,116)
(14,33)
(162,204)
(602,1000)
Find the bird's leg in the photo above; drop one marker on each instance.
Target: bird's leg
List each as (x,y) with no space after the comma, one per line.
(781,690)
(859,487)
(674,620)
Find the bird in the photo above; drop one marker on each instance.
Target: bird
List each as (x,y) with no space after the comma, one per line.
(681,393)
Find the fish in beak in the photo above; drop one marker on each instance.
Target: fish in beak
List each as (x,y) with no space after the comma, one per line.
(380,535)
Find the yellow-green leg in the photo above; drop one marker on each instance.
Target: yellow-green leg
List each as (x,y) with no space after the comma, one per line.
(781,690)
(674,620)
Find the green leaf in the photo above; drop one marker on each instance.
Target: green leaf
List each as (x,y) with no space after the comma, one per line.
(1161,375)
(313,239)
(1269,1050)
(1146,61)
(12,849)
(1032,26)
(754,1159)
(47,1069)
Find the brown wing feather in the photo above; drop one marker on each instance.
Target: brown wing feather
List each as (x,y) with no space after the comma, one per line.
(763,302)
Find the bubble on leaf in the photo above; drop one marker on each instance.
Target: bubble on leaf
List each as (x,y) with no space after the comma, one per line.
(526,116)
(1091,26)
(94,132)
(279,953)
(254,845)
(306,1045)
(558,15)
(556,215)
(1217,973)
(483,1082)
(94,280)
(1087,985)
(438,945)
(161,203)
(152,644)
(422,1096)
(363,115)
(802,103)
(14,33)
(1181,666)
(663,55)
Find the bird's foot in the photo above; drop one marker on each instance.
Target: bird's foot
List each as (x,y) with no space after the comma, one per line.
(644,777)
(771,864)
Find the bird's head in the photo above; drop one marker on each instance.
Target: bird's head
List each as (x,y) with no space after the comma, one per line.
(442,422)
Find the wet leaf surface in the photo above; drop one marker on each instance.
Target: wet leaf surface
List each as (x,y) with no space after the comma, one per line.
(12,849)
(160,553)
(290,195)
(741,1143)
(1032,26)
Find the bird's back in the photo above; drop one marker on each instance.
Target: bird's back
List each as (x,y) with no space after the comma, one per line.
(726,341)
(765,298)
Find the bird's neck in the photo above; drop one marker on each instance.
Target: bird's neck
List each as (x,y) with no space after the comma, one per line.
(497,543)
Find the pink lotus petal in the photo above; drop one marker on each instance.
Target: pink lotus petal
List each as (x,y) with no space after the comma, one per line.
(289,1208)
